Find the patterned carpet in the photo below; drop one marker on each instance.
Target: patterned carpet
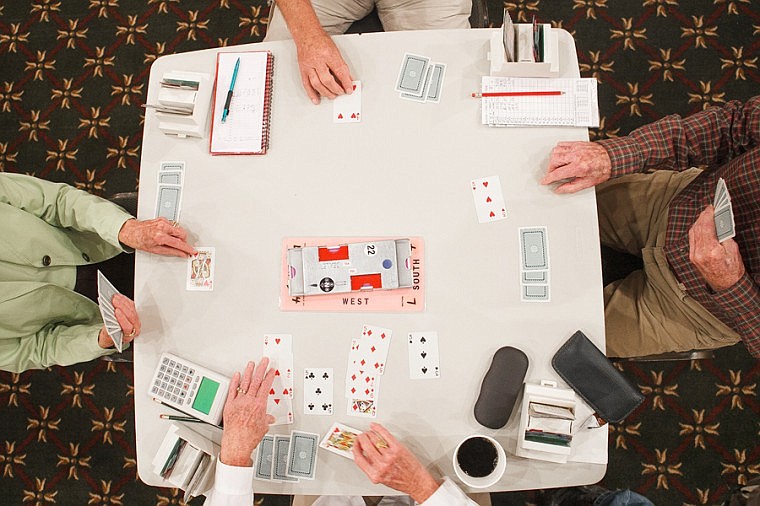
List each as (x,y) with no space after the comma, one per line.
(72,77)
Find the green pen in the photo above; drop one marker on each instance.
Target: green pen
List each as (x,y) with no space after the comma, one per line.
(226,110)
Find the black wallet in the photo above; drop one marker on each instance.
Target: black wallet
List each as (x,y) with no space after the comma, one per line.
(585,368)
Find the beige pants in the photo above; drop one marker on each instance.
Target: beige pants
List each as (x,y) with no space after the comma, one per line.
(648,312)
(336,16)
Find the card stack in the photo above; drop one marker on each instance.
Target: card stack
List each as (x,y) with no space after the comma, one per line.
(287,458)
(171,178)
(534,258)
(318,391)
(279,349)
(106,291)
(366,363)
(724,213)
(424,361)
(340,439)
(419,79)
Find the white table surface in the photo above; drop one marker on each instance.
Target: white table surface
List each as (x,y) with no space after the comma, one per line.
(403,171)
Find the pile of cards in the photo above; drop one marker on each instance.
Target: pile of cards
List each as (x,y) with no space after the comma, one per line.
(424,361)
(171,178)
(534,258)
(200,269)
(724,213)
(419,79)
(279,349)
(366,363)
(489,200)
(287,458)
(348,108)
(106,291)
(340,439)
(318,391)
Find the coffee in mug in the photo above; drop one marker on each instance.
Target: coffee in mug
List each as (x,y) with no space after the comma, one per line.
(477,457)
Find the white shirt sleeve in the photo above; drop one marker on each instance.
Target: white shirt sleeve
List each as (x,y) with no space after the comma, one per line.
(448,494)
(233,486)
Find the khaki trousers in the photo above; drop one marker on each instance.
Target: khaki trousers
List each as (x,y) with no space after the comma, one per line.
(336,16)
(648,312)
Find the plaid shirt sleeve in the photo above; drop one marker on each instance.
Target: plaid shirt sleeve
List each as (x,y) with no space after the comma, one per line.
(710,137)
(742,303)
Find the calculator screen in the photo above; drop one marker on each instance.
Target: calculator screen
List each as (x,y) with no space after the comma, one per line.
(205,397)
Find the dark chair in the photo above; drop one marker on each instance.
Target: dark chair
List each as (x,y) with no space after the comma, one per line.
(371,22)
(618,265)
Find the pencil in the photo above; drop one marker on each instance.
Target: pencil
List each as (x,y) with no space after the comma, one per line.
(517,94)
(190,419)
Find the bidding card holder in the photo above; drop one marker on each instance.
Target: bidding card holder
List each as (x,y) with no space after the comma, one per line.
(593,377)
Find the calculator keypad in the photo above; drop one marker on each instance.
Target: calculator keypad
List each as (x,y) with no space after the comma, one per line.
(175,382)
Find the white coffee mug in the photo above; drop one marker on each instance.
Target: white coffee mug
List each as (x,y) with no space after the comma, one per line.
(489,479)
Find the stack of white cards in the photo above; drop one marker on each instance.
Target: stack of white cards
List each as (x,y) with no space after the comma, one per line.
(106,291)
(725,227)
(534,259)
(366,363)
(279,349)
(171,178)
(200,269)
(287,458)
(419,79)
(424,362)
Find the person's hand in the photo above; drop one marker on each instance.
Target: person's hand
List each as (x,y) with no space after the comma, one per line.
(584,164)
(245,413)
(323,71)
(720,264)
(384,460)
(129,321)
(156,236)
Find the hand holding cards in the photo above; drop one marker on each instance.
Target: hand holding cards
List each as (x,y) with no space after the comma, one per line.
(106,291)
(724,213)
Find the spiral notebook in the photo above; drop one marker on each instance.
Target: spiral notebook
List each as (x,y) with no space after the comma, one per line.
(246,128)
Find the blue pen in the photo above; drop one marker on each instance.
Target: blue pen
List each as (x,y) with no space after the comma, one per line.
(226,110)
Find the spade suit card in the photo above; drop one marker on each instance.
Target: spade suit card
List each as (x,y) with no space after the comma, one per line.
(489,199)
(318,391)
(424,362)
(348,108)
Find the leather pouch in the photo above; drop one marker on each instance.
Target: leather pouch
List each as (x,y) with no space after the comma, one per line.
(593,377)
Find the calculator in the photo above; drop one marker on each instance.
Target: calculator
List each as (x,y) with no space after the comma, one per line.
(189,388)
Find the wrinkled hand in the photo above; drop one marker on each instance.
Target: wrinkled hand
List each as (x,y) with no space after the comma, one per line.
(384,460)
(323,71)
(156,236)
(245,413)
(586,164)
(720,264)
(129,321)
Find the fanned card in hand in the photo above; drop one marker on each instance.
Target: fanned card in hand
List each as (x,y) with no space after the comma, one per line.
(244,129)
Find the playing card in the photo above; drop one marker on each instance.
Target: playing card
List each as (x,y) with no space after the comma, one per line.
(318,391)
(435,82)
(302,455)
(411,78)
(534,252)
(423,96)
(374,346)
(722,197)
(534,277)
(359,383)
(200,269)
(424,361)
(170,177)
(280,467)
(279,349)
(348,108)
(168,202)
(366,408)
(106,291)
(724,223)
(534,293)
(265,458)
(172,166)
(488,198)
(340,439)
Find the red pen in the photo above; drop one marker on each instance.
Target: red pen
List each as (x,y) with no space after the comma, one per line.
(517,94)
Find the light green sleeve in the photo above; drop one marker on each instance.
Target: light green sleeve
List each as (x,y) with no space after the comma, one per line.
(52,345)
(64,206)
